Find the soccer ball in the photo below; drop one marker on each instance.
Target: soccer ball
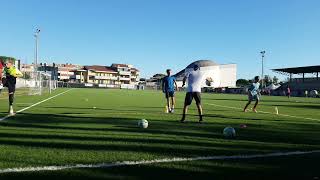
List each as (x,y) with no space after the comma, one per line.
(143,123)
(229,132)
(314,93)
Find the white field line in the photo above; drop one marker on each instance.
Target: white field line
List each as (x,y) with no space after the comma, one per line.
(264,112)
(35,104)
(145,162)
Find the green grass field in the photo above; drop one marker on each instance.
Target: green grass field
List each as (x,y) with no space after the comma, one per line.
(67,130)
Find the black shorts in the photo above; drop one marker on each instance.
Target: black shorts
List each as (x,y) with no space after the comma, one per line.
(169,94)
(190,96)
(10,83)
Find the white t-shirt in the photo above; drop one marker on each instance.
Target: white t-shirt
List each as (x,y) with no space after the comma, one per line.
(195,79)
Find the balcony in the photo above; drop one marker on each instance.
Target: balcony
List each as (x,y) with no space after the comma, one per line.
(66,72)
(102,77)
(63,77)
(127,73)
(75,77)
(124,79)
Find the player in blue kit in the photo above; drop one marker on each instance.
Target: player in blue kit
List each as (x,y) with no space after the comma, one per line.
(169,85)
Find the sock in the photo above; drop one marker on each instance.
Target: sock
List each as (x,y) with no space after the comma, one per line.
(183,117)
(11,97)
(200,116)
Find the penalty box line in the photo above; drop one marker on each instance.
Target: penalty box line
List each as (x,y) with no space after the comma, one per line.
(156,161)
(35,104)
(264,112)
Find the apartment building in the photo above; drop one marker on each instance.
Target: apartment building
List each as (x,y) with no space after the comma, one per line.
(116,75)
(66,71)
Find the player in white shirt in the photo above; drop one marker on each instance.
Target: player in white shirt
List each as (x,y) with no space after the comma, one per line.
(195,79)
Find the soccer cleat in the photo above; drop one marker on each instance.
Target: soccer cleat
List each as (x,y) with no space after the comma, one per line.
(172,110)
(254,110)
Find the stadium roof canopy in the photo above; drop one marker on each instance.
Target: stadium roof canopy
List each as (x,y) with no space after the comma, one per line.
(299,70)
(200,63)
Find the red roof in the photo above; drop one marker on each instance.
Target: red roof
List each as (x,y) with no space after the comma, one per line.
(134,69)
(119,65)
(100,68)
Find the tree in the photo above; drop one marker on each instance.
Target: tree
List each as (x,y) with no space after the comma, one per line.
(5,58)
(242,82)
(267,80)
(275,80)
(158,76)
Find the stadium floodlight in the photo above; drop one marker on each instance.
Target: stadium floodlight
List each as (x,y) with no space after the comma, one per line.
(37,76)
(262,68)
(36,35)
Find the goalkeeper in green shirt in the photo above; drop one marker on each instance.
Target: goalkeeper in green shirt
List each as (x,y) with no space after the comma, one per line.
(9,80)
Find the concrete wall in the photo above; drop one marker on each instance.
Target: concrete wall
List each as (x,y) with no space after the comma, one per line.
(228,74)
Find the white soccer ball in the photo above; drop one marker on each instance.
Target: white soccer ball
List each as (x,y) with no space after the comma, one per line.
(314,93)
(143,123)
(229,132)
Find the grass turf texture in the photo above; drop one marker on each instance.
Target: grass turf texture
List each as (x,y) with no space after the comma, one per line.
(68,130)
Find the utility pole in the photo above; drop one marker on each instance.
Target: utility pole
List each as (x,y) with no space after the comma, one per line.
(262,68)
(36,35)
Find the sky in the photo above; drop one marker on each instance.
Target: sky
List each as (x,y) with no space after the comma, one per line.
(154,35)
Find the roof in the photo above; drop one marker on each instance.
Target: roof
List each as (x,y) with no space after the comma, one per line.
(202,63)
(119,65)
(134,69)
(100,68)
(299,70)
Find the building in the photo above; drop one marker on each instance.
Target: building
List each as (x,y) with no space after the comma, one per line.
(27,68)
(127,73)
(116,75)
(300,80)
(223,75)
(66,71)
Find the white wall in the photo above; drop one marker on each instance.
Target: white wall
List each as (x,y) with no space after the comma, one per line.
(228,73)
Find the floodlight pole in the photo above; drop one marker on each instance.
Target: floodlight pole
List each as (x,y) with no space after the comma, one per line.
(36,35)
(262,68)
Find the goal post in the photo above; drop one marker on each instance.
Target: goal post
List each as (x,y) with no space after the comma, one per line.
(37,83)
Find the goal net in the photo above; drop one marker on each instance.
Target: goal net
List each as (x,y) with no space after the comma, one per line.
(36,83)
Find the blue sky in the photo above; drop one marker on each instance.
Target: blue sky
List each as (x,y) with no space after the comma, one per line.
(155,35)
